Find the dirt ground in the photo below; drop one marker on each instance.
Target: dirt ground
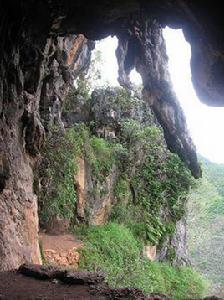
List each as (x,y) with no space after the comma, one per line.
(34,282)
(17,286)
(61,249)
(61,242)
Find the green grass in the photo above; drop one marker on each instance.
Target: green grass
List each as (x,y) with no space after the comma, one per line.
(113,249)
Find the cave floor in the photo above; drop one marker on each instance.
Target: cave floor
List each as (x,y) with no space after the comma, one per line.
(17,286)
(36,282)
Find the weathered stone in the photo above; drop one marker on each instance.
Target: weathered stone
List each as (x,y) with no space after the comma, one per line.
(174,248)
(149,252)
(80,179)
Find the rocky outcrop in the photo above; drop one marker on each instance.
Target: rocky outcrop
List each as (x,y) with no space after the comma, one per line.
(119,122)
(149,252)
(103,117)
(151,61)
(175,247)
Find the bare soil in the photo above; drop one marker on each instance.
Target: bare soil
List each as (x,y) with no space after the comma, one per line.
(17,286)
(35,282)
(59,242)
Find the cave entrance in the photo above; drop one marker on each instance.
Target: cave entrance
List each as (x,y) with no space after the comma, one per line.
(114,153)
(205,124)
(205,207)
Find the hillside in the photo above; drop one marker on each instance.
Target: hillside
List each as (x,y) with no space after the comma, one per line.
(206,225)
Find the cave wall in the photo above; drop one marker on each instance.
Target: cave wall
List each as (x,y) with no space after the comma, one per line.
(35,76)
(37,63)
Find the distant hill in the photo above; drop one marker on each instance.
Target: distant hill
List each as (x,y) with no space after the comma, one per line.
(206,225)
(213,172)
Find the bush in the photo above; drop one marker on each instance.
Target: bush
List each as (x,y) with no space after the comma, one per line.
(101,157)
(113,249)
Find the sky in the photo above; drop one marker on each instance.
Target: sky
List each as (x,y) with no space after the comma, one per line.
(204,123)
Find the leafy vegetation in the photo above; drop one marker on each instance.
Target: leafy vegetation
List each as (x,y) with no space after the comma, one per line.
(113,248)
(57,196)
(206,225)
(101,157)
(160,182)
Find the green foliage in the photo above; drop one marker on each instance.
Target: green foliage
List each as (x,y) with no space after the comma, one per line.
(101,157)
(214,173)
(165,184)
(114,250)
(57,196)
(125,100)
(206,225)
(160,182)
(122,190)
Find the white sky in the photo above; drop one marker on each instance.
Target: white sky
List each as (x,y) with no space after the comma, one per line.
(109,69)
(205,123)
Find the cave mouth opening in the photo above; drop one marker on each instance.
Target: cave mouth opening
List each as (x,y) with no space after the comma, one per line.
(205,201)
(205,125)
(108,65)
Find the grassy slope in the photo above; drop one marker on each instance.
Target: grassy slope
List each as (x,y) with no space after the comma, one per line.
(206,225)
(113,249)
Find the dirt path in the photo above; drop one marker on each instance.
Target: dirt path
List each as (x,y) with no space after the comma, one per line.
(62,242)
(61,250)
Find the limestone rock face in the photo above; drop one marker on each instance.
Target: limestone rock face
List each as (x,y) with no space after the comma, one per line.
(37,60)
(177,242)
(35,75)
